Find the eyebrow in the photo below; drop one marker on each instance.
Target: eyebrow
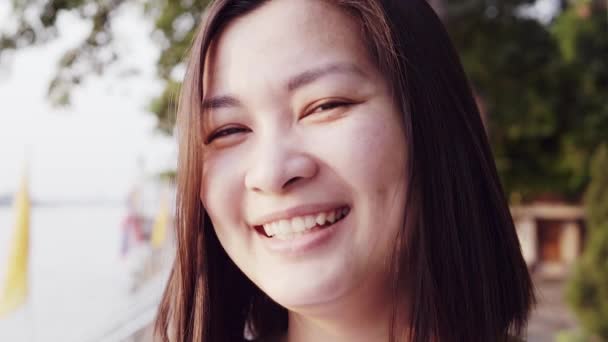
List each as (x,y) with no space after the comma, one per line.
(218,102)
(312,75)
(298,81)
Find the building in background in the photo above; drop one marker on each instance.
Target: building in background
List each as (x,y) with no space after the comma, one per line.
(551,236)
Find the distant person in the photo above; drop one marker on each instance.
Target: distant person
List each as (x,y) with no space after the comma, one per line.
(133,233)
(335,183)
(135,247)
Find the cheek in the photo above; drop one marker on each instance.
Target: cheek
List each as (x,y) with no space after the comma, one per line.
(372,160)
(379,180)
(219,194)
(372,153)
(381,149)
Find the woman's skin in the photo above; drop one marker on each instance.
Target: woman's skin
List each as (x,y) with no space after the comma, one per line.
(297,114)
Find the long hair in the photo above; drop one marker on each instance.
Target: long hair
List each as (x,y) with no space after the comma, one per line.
(457,271)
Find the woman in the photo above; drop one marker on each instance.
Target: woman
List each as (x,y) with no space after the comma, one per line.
(335,183)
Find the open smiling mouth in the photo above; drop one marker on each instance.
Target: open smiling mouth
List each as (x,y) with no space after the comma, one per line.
(297,226)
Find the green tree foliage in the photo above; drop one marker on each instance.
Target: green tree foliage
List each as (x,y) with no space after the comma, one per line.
(588,289)
(175,22)
(542,86)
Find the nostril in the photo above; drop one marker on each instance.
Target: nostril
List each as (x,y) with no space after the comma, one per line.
(289,182)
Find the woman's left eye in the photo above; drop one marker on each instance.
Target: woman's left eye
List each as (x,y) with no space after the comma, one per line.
(329,106)
(326,107)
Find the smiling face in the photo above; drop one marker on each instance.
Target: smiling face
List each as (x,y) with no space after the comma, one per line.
(303,142)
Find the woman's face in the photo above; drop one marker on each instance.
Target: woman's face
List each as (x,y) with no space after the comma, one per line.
(301,131)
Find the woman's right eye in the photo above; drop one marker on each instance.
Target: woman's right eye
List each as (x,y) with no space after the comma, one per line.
(224,133)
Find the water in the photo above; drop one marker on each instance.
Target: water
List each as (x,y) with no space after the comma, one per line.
(78,281)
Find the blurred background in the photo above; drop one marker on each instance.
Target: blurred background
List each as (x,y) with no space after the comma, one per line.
(87,156)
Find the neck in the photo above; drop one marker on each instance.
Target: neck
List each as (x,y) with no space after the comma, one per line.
(361,315)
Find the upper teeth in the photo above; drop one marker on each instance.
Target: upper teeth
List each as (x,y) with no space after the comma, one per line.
(284,228)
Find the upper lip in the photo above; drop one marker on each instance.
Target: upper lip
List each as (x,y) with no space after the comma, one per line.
(302,210)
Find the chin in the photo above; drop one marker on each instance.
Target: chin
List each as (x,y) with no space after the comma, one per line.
(306,290)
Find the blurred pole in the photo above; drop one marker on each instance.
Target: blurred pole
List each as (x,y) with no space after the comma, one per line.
(31,316)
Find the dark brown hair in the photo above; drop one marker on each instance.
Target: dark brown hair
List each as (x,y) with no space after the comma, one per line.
(458,273)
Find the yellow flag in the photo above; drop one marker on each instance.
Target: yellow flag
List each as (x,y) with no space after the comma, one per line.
(161,221)
(14,291)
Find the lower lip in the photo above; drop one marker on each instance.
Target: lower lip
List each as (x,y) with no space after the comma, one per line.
(303,243)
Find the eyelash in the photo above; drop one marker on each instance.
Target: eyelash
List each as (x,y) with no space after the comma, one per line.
(224,133)
(233,130)
(331,104)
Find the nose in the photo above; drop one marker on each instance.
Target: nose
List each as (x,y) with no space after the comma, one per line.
(275,167)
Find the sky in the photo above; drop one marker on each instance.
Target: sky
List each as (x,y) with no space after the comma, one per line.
(91,149)
(542,10)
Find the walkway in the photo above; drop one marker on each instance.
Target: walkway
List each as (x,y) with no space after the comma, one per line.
(552,314)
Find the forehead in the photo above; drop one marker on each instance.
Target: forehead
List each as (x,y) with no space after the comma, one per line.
(282,38)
